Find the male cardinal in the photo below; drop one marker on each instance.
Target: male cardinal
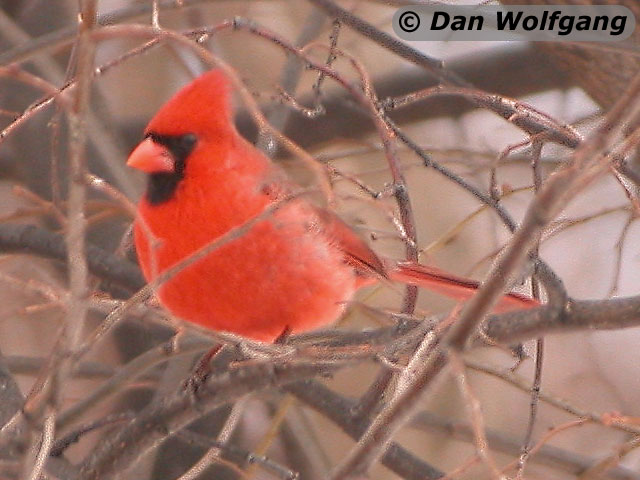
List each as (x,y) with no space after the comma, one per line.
(291,272)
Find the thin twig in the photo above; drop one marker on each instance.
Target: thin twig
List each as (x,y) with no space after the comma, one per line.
(539,353)
(43,448)
(475,415)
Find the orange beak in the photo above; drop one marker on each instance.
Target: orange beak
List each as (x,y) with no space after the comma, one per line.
(151,158)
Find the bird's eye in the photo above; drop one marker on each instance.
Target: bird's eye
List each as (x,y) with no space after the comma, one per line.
(188,141)
(179,146)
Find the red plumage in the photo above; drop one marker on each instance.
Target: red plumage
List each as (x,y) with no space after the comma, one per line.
(293,271)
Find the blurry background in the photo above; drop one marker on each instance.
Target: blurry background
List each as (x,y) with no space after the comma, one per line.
(595,255)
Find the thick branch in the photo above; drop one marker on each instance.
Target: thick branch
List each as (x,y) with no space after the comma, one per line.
(115,453)
(39,241)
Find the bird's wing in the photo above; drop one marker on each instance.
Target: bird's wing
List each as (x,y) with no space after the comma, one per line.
(357,253)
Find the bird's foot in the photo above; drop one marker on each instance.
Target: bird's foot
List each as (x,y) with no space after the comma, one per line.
(284,336)
(201,372)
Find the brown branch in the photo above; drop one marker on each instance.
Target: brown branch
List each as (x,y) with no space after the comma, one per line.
(509,72)
(76,229)
(508,111)
(135,368)
(64,37)
(432,65)
(547,455)
(11,398)
(238,456)
(340,410)
(31,239)
(116,452)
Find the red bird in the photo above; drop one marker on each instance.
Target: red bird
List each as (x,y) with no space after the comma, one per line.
(293,271)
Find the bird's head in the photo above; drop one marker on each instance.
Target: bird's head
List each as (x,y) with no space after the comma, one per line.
(199,114)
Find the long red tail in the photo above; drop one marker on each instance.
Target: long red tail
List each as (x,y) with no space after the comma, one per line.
(458,288)
(371,268)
